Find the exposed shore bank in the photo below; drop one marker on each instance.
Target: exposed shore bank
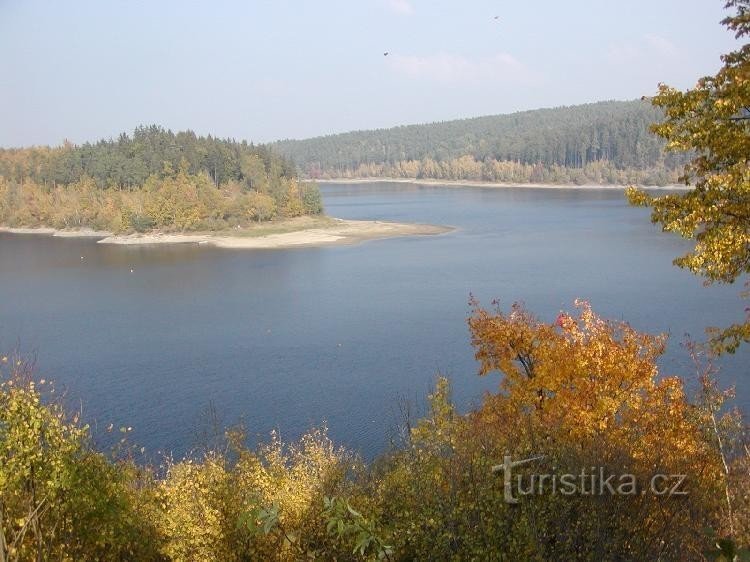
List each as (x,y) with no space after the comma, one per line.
(462,183)
(303,231)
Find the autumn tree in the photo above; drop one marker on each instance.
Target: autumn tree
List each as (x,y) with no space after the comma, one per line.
(712,122)
(259,206)
(575,393)
(585,391)
(59,499)
(254,172)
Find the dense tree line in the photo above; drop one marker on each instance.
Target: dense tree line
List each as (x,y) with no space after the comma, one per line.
(467,168)
(155,179)
(614,133)
(128,161)
(177,202)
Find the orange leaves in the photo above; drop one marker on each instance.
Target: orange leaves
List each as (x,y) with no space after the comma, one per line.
(507,343)
(588,385)
(580,372)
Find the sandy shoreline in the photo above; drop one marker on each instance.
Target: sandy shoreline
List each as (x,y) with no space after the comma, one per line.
(78,233)
(460,183)
(335,232)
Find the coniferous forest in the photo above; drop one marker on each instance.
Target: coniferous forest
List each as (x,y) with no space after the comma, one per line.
(154,179)
(606,142)
(158,179)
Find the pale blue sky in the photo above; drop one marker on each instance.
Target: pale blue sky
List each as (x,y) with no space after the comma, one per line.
(265,70)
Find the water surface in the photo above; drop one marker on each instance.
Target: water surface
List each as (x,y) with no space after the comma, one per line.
(291,338)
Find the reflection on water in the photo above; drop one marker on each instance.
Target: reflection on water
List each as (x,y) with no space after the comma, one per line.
(289,338)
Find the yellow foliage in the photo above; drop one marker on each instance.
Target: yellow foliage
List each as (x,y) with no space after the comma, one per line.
(194,520)
(577,393)
(202,502)
(176,202)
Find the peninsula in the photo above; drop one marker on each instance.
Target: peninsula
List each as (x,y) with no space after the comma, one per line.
(289,233)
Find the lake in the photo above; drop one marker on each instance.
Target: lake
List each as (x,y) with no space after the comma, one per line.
(289,339)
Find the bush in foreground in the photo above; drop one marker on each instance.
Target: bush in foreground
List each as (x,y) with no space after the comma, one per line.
(578,396)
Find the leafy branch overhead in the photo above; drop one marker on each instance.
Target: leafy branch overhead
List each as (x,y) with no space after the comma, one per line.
(712,122)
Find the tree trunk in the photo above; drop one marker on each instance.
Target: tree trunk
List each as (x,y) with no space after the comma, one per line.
(3,543)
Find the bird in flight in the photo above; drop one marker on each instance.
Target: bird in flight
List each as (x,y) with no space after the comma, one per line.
(496,18)
(385,54)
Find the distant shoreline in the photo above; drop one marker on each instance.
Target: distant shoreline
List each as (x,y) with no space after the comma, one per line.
(302,232)
(462,183)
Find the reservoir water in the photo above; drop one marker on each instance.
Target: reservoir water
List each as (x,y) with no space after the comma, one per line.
(289,339)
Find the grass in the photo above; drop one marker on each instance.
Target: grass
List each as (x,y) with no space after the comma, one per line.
(281,226)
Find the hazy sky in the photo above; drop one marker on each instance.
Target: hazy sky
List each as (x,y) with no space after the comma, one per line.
(264,70)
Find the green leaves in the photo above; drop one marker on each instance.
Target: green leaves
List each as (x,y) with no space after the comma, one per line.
(261,520)
(59,499)
(349,525)
(726,550)
(712,123)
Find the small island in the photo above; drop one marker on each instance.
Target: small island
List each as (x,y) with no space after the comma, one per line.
(158,187)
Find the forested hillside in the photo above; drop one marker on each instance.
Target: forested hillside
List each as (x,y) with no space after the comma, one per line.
(130,160)
(152,179)
(607,142)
